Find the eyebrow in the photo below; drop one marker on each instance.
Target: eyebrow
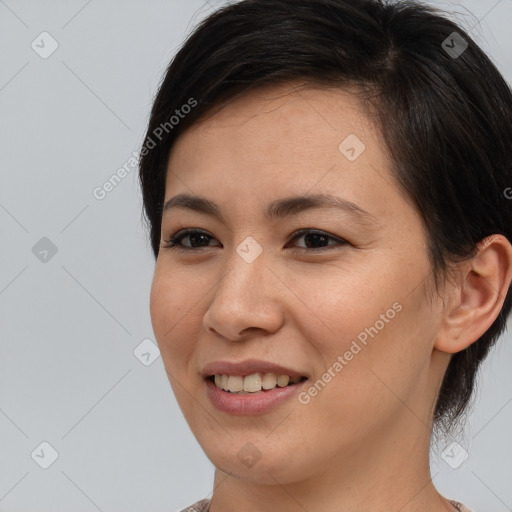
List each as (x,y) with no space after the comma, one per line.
(275,210)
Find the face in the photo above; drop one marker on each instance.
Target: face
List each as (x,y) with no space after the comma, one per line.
(343,303)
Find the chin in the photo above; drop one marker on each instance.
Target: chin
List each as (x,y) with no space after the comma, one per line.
(265,470)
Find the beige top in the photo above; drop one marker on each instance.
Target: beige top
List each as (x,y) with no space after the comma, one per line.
(200,506)
(204,505)
(456,504)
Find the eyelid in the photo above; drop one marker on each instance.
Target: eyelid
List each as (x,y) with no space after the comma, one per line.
(174,241)
(304,231)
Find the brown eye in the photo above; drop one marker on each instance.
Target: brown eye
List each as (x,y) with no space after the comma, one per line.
(317,240)
(197,240)
(314,240)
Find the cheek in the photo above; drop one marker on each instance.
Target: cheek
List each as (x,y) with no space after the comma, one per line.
(370,318)
(175,320)
(336,303)
(173,315)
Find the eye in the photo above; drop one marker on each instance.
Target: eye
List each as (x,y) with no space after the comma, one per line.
(315,240)
(195,236)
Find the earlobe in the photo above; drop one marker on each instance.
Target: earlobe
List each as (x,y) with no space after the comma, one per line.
(478,295)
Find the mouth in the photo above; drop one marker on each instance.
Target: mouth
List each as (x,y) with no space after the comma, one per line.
(253,394)
(255,383)
(251,386)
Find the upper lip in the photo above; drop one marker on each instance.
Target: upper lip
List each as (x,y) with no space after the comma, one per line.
(247,367)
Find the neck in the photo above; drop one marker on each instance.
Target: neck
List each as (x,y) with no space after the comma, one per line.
(380,474)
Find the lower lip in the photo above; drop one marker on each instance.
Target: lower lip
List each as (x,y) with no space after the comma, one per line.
(253,403)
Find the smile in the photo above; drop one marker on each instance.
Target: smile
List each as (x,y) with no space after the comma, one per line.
(255,383)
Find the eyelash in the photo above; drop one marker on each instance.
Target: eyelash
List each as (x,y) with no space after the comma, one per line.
(175,241)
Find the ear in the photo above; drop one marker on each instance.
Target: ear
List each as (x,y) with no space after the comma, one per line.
(476,298)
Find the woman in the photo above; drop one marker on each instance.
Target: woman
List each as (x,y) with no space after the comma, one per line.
(326,188)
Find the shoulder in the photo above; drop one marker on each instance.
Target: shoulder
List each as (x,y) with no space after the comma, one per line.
(200,506)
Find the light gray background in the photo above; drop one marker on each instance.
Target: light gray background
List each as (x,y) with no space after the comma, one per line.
(70,325)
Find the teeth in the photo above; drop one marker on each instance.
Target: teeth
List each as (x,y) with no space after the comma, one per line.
(269,381)
(283,380)
(253,383)
(235,383)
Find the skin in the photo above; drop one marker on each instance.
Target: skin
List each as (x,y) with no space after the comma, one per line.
(362,443)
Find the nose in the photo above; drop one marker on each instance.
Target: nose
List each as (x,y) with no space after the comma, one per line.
(248,298)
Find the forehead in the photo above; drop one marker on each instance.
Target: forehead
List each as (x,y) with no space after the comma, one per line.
(281,140)
(293,117)
(283,113)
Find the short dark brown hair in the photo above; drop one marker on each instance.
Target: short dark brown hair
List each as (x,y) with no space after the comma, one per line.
(443,109)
